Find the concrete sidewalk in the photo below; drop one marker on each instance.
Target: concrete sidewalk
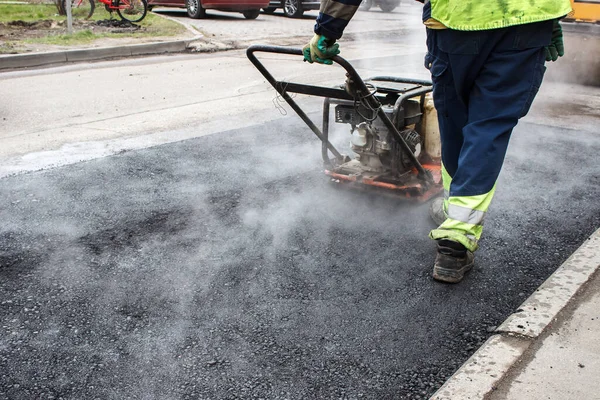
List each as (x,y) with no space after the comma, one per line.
(564,363)
(549,348)
(31,60)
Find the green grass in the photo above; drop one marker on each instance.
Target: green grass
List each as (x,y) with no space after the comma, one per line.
(28,12)
(151,26)
(155,25)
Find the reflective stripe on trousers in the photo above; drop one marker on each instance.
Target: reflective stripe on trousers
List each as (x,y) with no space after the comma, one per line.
(464,216)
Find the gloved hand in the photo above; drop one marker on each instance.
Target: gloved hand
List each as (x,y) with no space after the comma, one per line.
(320,49)
(556,48)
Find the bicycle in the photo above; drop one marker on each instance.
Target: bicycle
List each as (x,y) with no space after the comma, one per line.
(128,10)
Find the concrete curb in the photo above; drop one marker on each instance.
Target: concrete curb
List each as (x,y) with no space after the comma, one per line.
(66,56)
(481,373)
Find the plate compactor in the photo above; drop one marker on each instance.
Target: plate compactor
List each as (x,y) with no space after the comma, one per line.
(388,133)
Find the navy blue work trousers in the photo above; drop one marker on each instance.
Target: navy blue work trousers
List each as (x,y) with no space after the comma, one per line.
(484,81)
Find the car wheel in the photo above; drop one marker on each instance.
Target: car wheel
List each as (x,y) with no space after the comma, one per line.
(293,8)
(251,14)
(388,6)
(366,5)
(269,10)
(194,9)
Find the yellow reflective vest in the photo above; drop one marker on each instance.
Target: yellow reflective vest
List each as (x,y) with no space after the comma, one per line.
(475,15)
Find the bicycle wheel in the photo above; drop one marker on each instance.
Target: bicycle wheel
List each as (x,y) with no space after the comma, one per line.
(80,9)
(132,10)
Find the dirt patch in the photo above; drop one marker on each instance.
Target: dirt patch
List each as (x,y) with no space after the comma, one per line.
(23,36)
(17,35)
(22,30)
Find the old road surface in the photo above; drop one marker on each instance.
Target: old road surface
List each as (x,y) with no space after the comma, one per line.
(221,264)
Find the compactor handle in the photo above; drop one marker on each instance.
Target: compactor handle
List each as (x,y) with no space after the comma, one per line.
(318,90)
(296,87)
(283,88)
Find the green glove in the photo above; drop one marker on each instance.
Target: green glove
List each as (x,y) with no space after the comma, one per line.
(320,49)
(556,48)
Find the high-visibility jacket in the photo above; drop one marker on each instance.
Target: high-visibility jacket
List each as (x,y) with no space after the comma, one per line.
(468,15)
(481,15)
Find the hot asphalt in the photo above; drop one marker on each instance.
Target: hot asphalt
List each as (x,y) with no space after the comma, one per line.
(229,267)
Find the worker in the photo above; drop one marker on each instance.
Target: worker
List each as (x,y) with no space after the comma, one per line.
(486,60)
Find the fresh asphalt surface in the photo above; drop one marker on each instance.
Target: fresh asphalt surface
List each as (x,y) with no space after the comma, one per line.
(228,267)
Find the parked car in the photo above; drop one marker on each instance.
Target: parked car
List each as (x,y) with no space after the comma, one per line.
(292,8)
(197,8)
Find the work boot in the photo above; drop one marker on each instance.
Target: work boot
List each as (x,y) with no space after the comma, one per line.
(436,211)
(452,262)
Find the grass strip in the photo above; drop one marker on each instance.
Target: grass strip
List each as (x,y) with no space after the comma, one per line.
(151,26)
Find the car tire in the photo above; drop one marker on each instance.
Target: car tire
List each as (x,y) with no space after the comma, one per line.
(292,8)
(388,5)
(251,14)
(269,10)
(150,8)
(194,9)
(366,5)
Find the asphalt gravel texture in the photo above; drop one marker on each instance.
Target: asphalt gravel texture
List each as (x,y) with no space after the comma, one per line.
(228,267)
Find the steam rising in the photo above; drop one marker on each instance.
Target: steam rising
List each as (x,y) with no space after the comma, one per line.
(151,260)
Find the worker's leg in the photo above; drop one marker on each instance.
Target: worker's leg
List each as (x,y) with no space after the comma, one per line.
(451,110)
(500,93)
(498,84)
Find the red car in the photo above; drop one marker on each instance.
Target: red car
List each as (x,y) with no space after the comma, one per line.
(197,8)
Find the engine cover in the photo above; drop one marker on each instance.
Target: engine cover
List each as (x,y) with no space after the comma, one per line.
(377,151)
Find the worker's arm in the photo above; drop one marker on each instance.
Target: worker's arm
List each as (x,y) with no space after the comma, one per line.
(333,17)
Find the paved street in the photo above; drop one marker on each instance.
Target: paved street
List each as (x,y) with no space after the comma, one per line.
(195,94)
(226,267)
(199,253)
